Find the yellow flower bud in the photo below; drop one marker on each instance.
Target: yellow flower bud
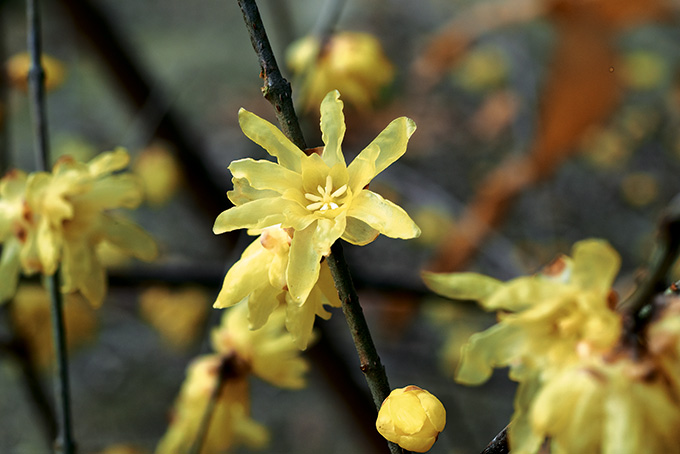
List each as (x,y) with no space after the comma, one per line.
(412,418)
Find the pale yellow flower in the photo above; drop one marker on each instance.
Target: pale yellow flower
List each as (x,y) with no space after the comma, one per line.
(230,424)
(259,280)
(31,316)
(319,197)
(269,352)
(178,315)
(412,418)
(159,172)
(18,65)
(74,204)
(351,62)
(544,319)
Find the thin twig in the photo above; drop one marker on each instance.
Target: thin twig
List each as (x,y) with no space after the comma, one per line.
(278,92)
(64,442)
(499,444)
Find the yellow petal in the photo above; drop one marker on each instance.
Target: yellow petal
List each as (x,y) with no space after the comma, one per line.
(243,192)
(49,244)
(9,269)
(261,303)
(327,232)
(461,286)
(332,128)
(521,293)
(389,146)
(596,264)
(245,276)
(109,162)
(300,318)
(271,139)
(327,286)
(257,214)
(117,191)
(129,237)
(303,265)
(384,216)
(434,409)
(265,175)
(497,346)
(358,232)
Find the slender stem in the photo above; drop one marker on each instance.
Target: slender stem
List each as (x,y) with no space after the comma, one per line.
(278,92)
(64,442)
(499,444)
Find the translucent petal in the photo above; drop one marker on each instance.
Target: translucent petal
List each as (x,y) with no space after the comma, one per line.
(327,286)
(109,162)
(327,232)
(303,265)
(596,264)
(261,303)
(461,286)
(129,237)
(265,175)
(521,293)
(332,128)
(9,269)
(49,243)
(243,192)
(389,146)
(117,191)
(246,275)
(358,232)
(300,318)
(257,214)
(384,216)
(271,139)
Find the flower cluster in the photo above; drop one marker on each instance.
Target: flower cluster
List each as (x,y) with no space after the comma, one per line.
(300,206)
(268,353)
(579,385)
(353,63)
(57,219)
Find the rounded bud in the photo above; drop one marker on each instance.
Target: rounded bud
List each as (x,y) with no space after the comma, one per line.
(412,418)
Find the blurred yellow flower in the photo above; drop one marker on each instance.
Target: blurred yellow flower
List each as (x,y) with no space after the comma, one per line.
(260,278)
(269,352)
(350,62)
(319,197)
(159,172)
(545,319)
(122,449)
(31,317)
(58,219)
(178,315)
(17,68)
(230,424)
(412,418)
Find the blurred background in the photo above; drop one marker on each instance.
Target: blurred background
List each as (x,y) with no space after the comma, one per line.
(540,123)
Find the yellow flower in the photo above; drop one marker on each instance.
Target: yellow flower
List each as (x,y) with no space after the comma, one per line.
(31,317)
(73,203)
(545,319)
(350,62)
(159,172)
(412,418)
(269,352)
(259,278)
(17,68)
(318,196)
(177,315)
(230,424)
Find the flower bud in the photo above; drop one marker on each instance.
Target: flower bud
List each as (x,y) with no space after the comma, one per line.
(412,418)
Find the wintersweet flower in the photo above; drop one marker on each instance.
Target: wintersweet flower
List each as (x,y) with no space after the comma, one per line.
(18,65)
(318,196)
(545,319)
(353,63)
(268,352)
(230,424)
(259,280)
(412,418)
(74,204)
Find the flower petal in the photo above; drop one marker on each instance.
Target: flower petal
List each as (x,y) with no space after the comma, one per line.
(265,174)
(358,232)
(300,318)
(596,264)
(129,237)
(332,128)
(383,215)
(245,276)
(303,265)
(257,214)
(327,232)
(271,139)
(109,162)
(389,146)
(243,192)
(461,286)
(261,303)
(9,269)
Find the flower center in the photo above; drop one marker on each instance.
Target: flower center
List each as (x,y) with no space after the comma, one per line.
(326,198)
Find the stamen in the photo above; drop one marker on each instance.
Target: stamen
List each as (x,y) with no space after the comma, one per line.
(313,198)
(314,206)
(329,185)
(340,191)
